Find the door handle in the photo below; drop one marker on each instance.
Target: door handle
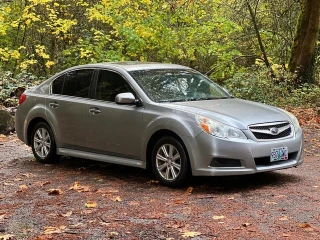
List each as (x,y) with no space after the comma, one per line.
(94,110)
(54,104)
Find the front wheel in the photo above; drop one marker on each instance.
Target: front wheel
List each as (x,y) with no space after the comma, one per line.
(43,143)
(170,162)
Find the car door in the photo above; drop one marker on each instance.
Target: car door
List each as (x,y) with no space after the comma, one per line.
(114,129)
(68,109)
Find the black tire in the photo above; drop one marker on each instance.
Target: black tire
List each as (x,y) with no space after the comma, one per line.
(43,143)
(166,165)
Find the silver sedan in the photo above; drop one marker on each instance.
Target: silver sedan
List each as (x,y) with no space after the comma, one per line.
(167,117)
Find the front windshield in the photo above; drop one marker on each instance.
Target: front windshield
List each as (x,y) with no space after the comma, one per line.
(177,85)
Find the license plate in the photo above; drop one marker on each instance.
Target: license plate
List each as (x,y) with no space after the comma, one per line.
(279,154)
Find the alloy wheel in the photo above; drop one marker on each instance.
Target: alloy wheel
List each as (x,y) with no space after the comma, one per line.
(42,142)
(168,162)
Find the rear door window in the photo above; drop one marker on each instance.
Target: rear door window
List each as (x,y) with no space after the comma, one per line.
(110,84)
(77,83)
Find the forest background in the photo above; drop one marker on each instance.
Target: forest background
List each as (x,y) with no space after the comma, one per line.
(261,50)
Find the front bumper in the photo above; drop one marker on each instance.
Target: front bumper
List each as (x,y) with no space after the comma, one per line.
(204,148)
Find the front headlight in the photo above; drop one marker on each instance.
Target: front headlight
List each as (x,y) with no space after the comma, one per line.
(219,129)
(293,119)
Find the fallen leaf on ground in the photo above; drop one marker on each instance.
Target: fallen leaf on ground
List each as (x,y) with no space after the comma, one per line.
(307,227)
(304,225)
(7,237)
(2,138)
(91,204)
(28,175)
(53,230)
(279,196)
(183,198)
(45,183)
(77,187)
(179,201)
(22,188)
(218,217)
(104,223)
(188,191)
(285,235)
(117,199)
(134,203)
(8,184)
(153,181)
(190,234)
(68,214)
(113,234)
(284,218)
(54,191)
(271,203)
(108,190)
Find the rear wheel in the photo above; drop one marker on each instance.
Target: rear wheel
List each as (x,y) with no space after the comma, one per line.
(170,162)
(43,143)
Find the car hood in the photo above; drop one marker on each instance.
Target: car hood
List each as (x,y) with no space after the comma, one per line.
(234,112)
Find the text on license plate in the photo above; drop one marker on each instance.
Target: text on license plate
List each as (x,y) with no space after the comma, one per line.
(278,154)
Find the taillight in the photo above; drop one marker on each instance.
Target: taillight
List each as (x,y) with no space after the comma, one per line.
(22,98)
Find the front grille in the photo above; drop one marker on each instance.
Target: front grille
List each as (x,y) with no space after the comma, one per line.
(265,161)
(271,131)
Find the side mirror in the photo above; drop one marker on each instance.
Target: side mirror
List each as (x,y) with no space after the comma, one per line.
(127,99)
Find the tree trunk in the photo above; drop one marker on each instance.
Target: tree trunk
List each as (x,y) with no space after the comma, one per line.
(305,41)
(262,49)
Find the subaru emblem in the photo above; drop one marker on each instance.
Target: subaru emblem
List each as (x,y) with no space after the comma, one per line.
(274,130)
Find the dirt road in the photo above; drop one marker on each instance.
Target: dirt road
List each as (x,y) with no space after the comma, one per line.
(80,199)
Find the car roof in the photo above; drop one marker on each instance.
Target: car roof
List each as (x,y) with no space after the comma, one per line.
(136,65)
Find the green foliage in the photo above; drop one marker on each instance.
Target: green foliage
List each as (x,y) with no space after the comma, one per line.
(45,36)
(256,84)
(8,85)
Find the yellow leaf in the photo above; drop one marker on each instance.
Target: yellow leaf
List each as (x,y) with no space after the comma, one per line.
(190,234)
(91,204)
(49,64)
(218,217)
(79,188)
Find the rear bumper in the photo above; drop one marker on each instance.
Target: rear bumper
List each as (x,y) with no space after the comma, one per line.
(205,148)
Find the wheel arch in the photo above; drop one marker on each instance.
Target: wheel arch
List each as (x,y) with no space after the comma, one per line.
(31,126)
(156,137)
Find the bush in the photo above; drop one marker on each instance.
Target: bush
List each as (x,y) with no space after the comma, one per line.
(257,85)
(8,84)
